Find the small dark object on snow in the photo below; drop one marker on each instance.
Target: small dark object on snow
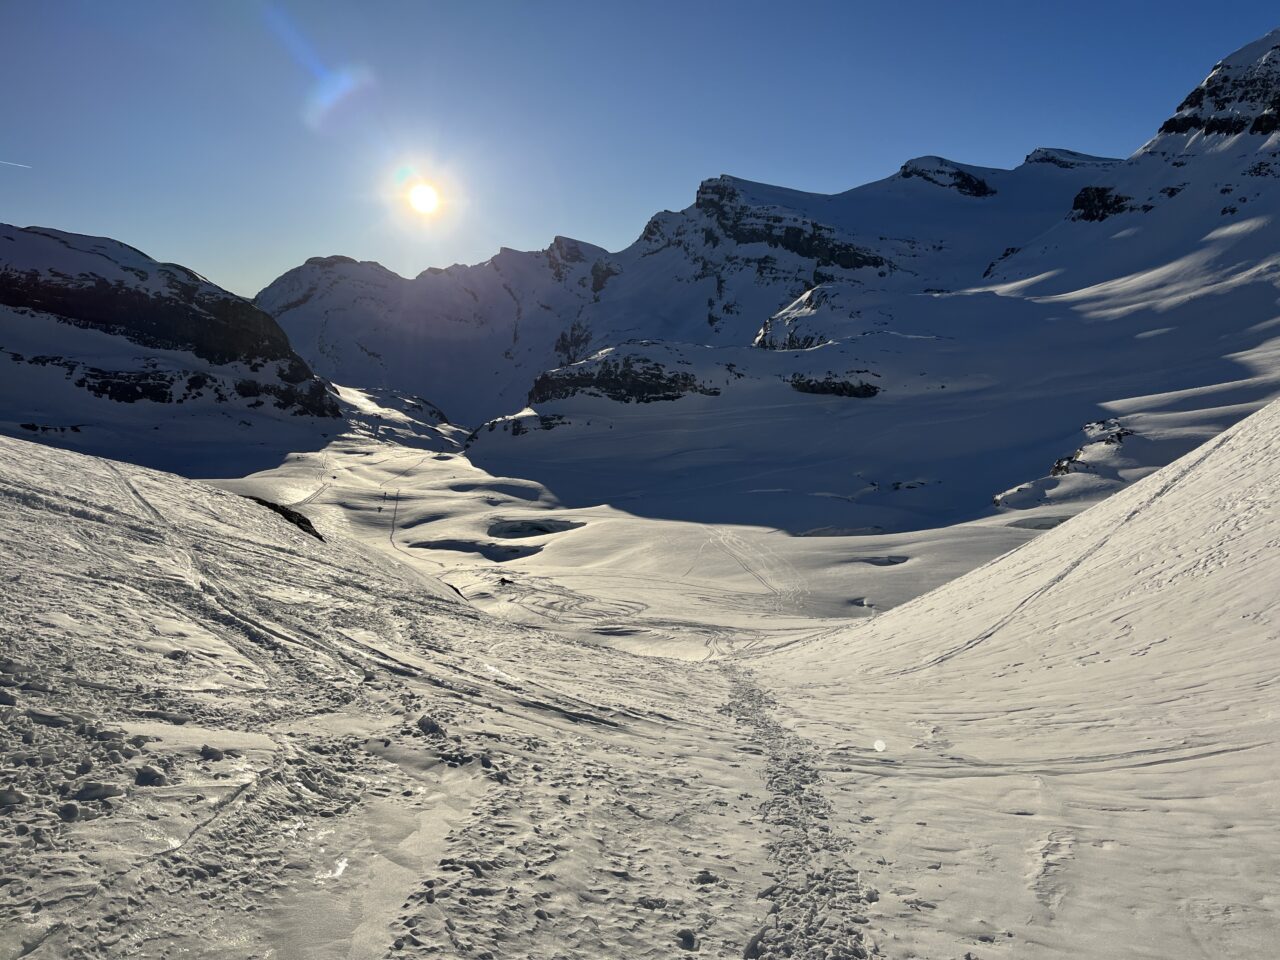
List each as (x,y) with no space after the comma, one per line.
(149,776)
(429,726)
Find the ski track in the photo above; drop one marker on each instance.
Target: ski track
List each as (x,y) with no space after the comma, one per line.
(819,901)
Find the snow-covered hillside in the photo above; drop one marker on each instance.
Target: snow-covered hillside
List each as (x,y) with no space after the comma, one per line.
(226,737)
(1075,749)
(230,737)
(103,349)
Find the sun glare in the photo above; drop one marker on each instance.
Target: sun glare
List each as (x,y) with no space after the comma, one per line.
(424,198)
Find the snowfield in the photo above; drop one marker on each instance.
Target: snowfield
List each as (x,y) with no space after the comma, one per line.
(230,737)
(885,574)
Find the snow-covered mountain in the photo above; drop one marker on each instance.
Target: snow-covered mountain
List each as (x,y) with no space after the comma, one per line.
(1130,328)
(715,273)
(943,343)
(746,263)
(105,350)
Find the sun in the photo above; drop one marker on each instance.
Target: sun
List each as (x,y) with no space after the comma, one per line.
(424,198)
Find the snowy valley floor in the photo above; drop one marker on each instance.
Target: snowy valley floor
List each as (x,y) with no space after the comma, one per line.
(224,737)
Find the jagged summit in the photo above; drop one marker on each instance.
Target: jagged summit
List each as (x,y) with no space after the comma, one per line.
(1240,95)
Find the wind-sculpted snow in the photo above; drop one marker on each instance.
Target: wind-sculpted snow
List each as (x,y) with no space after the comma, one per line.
(1080,741)
(228,738)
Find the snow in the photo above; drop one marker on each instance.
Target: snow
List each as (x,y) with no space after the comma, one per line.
(1083,733)
(994,321)
(887,573)
(474,338)
(1071,749)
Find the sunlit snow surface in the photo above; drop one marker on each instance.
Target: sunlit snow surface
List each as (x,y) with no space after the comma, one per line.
(1079,743)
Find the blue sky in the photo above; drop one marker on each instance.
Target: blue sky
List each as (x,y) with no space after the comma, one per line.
(242,137)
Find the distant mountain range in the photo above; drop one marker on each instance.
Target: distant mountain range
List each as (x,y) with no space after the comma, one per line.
(923,349)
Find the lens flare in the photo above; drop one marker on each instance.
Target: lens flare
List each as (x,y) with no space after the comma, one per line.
(332,92)
(424,198)
(331,89)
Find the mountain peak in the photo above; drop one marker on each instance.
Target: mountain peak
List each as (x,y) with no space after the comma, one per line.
(1068,159)
(947,173)
(1240,95)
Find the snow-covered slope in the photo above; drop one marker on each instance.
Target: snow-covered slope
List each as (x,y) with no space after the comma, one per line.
(1189,216)
(226,736)
(939,346)
(1075,749)
(105,350)
(1127,316)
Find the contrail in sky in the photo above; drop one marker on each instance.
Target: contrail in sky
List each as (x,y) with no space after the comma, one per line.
(9,164)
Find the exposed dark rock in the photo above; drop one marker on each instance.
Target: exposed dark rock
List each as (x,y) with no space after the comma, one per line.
(600,274)
(629,379)
(991,268)
(573,344)
(833,386)
(951,177)
(293,516)
(1235,98)
(1104,432)
(563,253)
(544,422)
(742,223)
(1098,203)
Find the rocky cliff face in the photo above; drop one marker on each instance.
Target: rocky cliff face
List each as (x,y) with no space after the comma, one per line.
(49,278)
(1241,95)
(97,340)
